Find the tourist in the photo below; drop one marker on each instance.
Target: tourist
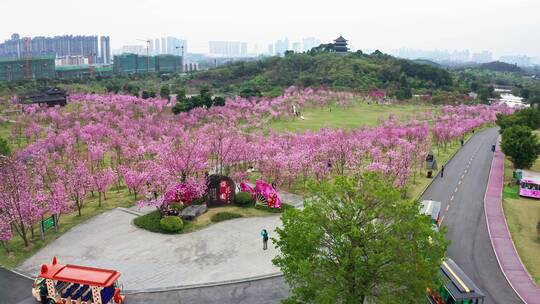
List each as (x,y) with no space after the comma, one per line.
(442,171)
(462,142)
(264,235)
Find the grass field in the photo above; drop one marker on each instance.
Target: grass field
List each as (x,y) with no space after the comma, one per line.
(360,114)
(522,215)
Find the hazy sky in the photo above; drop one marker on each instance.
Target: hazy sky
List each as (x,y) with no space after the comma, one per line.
(501,26)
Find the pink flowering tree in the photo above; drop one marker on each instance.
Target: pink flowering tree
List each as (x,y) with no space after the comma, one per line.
(101,182)
(18,207)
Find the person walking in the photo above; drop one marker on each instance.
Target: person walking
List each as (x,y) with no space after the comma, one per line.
(442,171)
(264,235)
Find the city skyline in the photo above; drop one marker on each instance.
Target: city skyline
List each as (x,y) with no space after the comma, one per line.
(385,25)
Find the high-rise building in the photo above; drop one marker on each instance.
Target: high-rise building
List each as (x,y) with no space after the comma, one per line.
(58,46)
(310,42)
(163,45)
(282,46)
(271,49)
(175,46)
(482,57)
(157,49)
(134,49)
(296,47)
(227,48)
(105,49)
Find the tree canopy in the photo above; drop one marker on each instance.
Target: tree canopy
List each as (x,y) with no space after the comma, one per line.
(520,145)
(358,240)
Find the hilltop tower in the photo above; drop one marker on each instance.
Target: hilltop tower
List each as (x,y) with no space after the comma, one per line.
(340,45)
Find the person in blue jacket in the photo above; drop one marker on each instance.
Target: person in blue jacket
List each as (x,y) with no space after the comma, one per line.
(264,235)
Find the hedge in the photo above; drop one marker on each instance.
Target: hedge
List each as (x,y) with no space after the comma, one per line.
(223,216)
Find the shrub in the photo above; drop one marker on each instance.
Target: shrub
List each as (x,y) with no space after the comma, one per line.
(149,221)
(178,207)
(199,201)
(223,216)
(274,210)
(171,224)
(243,199)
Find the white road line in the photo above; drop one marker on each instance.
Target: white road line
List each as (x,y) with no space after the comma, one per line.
(442,219)
(452,198)
(447,207)
(459,183)
(455,190)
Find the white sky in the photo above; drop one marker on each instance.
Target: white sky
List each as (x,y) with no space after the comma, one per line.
(502,26)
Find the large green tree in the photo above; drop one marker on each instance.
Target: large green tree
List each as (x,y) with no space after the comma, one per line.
(356,240)
(521,145)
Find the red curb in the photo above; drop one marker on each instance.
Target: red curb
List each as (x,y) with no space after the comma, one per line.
(505,251)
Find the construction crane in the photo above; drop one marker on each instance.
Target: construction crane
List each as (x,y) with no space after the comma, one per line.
(27,57)
(148,42)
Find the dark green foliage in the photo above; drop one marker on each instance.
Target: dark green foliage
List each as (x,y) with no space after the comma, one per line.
(358,241)
(164,91)
(250,92)
(4,147)
(243,198)
(274,210)
(148,94)
(204,99)
(529,117)
(171,224)
(498,66)
(149,221)
(520,145)
(199,201)
(321,67)
(178,207)
(223,216)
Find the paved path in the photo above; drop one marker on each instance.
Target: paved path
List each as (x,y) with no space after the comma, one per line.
(14,288)
(461,192)
(501,239)
(224,251)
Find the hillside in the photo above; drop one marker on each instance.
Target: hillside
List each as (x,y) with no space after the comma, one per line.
(499,66)
(354,71)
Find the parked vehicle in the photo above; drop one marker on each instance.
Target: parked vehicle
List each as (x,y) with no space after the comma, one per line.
(67,284)
(433,210)
(529,183)
(458,288)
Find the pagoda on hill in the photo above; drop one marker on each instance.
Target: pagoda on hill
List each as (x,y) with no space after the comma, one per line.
(340,45)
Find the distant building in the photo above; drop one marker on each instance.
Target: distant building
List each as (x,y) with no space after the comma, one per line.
(174,46)
(227,48)
(134,49)
(340,45)
(296,47)
(271,49)
(517,60)
(482,57)
(105,50)
(139,64)
(58,46)
(157,49)
(70,60)
(309,43)
(281,46)
(18,69)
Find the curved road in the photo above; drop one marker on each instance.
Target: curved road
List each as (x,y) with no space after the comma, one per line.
(461,192)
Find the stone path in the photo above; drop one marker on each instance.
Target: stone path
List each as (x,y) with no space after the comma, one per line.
(508,259)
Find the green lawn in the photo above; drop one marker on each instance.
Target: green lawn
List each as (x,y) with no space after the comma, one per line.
(522,215)
(18,253)
(359,114)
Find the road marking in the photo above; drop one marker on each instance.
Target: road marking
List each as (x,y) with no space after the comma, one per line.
(455,190)
(459,183)
(447,207)
(442,219)
(466,170)
(452,198)
(462,176)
